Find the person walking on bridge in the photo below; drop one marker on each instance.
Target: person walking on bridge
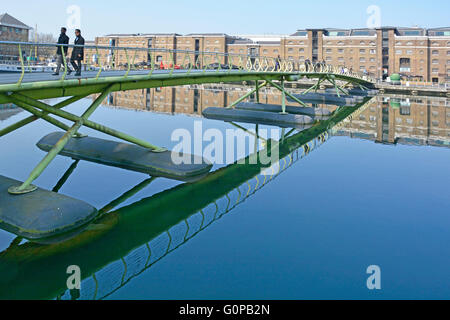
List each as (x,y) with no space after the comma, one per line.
(278,63)
(77,53)
(61,52)
(307,65)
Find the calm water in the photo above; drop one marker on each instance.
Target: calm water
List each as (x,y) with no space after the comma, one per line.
(374,193)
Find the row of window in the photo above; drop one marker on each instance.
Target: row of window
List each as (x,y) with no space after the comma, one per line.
(291,50)
(10,29)
(212,50)
(341,59)
(434,52)
(363,43)
(298,43)
(361,51)
(265,51)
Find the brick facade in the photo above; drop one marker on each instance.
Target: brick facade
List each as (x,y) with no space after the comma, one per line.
(417,54)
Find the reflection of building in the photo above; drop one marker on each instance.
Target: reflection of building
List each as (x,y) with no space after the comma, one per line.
(7,111)
(422,54)
(414,121)
(11,29)
(188,100)
(389,119)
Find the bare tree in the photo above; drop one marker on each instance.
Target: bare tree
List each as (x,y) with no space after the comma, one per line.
(43,52)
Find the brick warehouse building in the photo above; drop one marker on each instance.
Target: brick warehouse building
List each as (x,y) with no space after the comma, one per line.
(12,29)
(416,53)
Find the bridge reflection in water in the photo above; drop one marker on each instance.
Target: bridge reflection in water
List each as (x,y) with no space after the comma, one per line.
(124,243)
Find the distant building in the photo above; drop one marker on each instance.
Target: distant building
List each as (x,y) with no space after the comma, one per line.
(415,53)
(12,29)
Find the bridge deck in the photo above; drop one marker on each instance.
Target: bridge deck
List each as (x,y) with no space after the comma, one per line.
(45,86)
(13,77)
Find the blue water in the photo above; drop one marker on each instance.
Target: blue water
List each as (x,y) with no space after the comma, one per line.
(310,233)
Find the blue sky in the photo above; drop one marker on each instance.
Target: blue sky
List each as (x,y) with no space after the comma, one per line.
(99,17)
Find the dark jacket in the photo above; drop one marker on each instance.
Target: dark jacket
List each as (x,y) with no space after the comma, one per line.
(77,52)
(63,39)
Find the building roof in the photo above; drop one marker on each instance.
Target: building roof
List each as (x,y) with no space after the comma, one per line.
(240,41)
(142,35)
(300,33)
(363,32)
(443,31)
(440,29)
(411,31)
(9,21)
(207,35)
(333,32)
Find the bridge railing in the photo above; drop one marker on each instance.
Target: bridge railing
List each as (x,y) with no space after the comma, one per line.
(131,59)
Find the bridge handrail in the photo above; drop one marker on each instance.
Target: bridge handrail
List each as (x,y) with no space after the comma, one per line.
(202,60)
(54,45)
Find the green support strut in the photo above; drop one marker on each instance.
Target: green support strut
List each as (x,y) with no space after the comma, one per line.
(287,93)
(87,123)
(27,187)
(257,91)
(34,117)
(245,96)
(39,114)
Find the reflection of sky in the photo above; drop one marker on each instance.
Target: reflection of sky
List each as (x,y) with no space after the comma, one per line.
(311,233)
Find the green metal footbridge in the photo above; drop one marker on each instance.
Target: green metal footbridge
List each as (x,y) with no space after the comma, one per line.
(26,87)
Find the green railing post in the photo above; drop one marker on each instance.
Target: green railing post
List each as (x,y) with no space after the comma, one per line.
(257,91)
(100,65)
(283,98)
(22,66)
(172,59)
(128,63)
(152,69)
(28,60)
(190,64)
(65,63)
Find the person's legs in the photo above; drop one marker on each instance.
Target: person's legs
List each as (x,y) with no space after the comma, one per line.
(59,62)
(76,65)
(79,67)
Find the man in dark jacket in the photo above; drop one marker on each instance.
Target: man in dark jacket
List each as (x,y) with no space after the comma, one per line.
(307,65)
(62,40)
(77,53)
